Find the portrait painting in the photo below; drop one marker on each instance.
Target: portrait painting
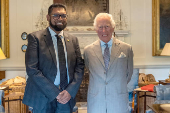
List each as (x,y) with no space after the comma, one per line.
(83,12)
(161,25)
(164,22)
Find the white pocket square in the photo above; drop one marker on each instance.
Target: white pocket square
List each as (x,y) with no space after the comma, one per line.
(122,55)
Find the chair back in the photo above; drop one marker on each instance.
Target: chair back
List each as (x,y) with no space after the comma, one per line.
(131,86)
(134,80)
(162,94)
(1,96)
(2,110)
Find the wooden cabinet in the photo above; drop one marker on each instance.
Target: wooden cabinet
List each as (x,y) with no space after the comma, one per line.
(2,75)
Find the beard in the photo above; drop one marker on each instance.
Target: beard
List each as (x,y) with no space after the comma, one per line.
(58,27)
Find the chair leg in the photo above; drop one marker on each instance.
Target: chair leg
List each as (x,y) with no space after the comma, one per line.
(133,101)
(8,106)
(145,103)
(138,102)
(3,102)
(20,103)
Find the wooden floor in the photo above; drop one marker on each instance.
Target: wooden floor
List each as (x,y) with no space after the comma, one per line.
(82,111)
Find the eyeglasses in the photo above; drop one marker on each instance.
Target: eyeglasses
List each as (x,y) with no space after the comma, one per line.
(102,27)
(57,16)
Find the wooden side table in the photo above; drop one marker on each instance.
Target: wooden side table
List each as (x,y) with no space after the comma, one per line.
(163,82)
(16,95)
(2,75)
(12,95)
(138,90)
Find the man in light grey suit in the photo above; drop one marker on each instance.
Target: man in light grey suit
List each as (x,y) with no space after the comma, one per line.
(110,65)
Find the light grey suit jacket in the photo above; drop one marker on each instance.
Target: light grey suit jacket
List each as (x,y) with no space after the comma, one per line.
(108,91)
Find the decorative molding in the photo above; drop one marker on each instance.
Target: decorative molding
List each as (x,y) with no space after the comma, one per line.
(82,32)
(22,68)
(152,66)
(118,33)
(121,33)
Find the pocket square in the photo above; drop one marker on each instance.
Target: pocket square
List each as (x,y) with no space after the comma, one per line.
(122,55)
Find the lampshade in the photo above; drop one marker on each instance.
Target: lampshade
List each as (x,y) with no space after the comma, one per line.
(2,56)
(166,50)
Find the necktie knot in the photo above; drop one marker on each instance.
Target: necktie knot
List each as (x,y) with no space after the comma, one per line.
(106,45)
(58,36)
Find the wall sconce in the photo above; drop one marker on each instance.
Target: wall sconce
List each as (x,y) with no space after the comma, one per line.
(42,22)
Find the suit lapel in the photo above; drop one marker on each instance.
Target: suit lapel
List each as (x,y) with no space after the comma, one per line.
(97,50)
(114,54)
(49,42)
(114,51)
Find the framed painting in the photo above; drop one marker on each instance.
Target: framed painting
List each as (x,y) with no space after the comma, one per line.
(4,30)
(81,13)
(160,25)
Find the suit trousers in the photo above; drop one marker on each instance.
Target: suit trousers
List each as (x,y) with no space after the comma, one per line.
(55,107)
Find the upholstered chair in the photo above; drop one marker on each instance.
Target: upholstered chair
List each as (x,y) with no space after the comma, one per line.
(133,84)
(2,110)
(162,95)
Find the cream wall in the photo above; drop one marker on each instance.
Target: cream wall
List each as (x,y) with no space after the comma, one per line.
(23,15)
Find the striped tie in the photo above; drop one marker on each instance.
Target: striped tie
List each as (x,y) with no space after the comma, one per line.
(106,57)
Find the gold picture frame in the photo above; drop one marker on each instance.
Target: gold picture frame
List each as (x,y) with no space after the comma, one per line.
(160,21)
(5,27)
(81,13)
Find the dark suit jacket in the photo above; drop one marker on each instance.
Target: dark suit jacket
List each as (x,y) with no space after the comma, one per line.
(41,67)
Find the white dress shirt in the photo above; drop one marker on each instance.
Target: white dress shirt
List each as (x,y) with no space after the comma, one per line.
(54,39)
(103,46)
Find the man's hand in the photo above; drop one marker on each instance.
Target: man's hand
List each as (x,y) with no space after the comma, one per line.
(63,97)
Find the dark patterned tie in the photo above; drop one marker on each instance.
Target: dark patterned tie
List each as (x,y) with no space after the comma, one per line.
(62,64)
(106,57)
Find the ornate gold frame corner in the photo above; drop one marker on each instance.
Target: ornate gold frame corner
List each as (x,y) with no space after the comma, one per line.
(5,27)
(156,51)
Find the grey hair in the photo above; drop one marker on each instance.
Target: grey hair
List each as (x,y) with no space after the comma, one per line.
(104,15)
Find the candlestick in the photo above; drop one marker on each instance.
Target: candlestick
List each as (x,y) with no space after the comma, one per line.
(120,14)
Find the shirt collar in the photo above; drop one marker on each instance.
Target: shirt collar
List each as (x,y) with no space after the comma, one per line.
(53,33)
(109,43)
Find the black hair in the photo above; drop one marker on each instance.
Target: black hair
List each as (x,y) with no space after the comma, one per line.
(55,5)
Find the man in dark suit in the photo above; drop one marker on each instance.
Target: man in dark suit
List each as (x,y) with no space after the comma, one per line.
(54,66)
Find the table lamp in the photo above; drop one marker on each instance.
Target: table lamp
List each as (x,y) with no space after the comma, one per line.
(2,56)
(166,52)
